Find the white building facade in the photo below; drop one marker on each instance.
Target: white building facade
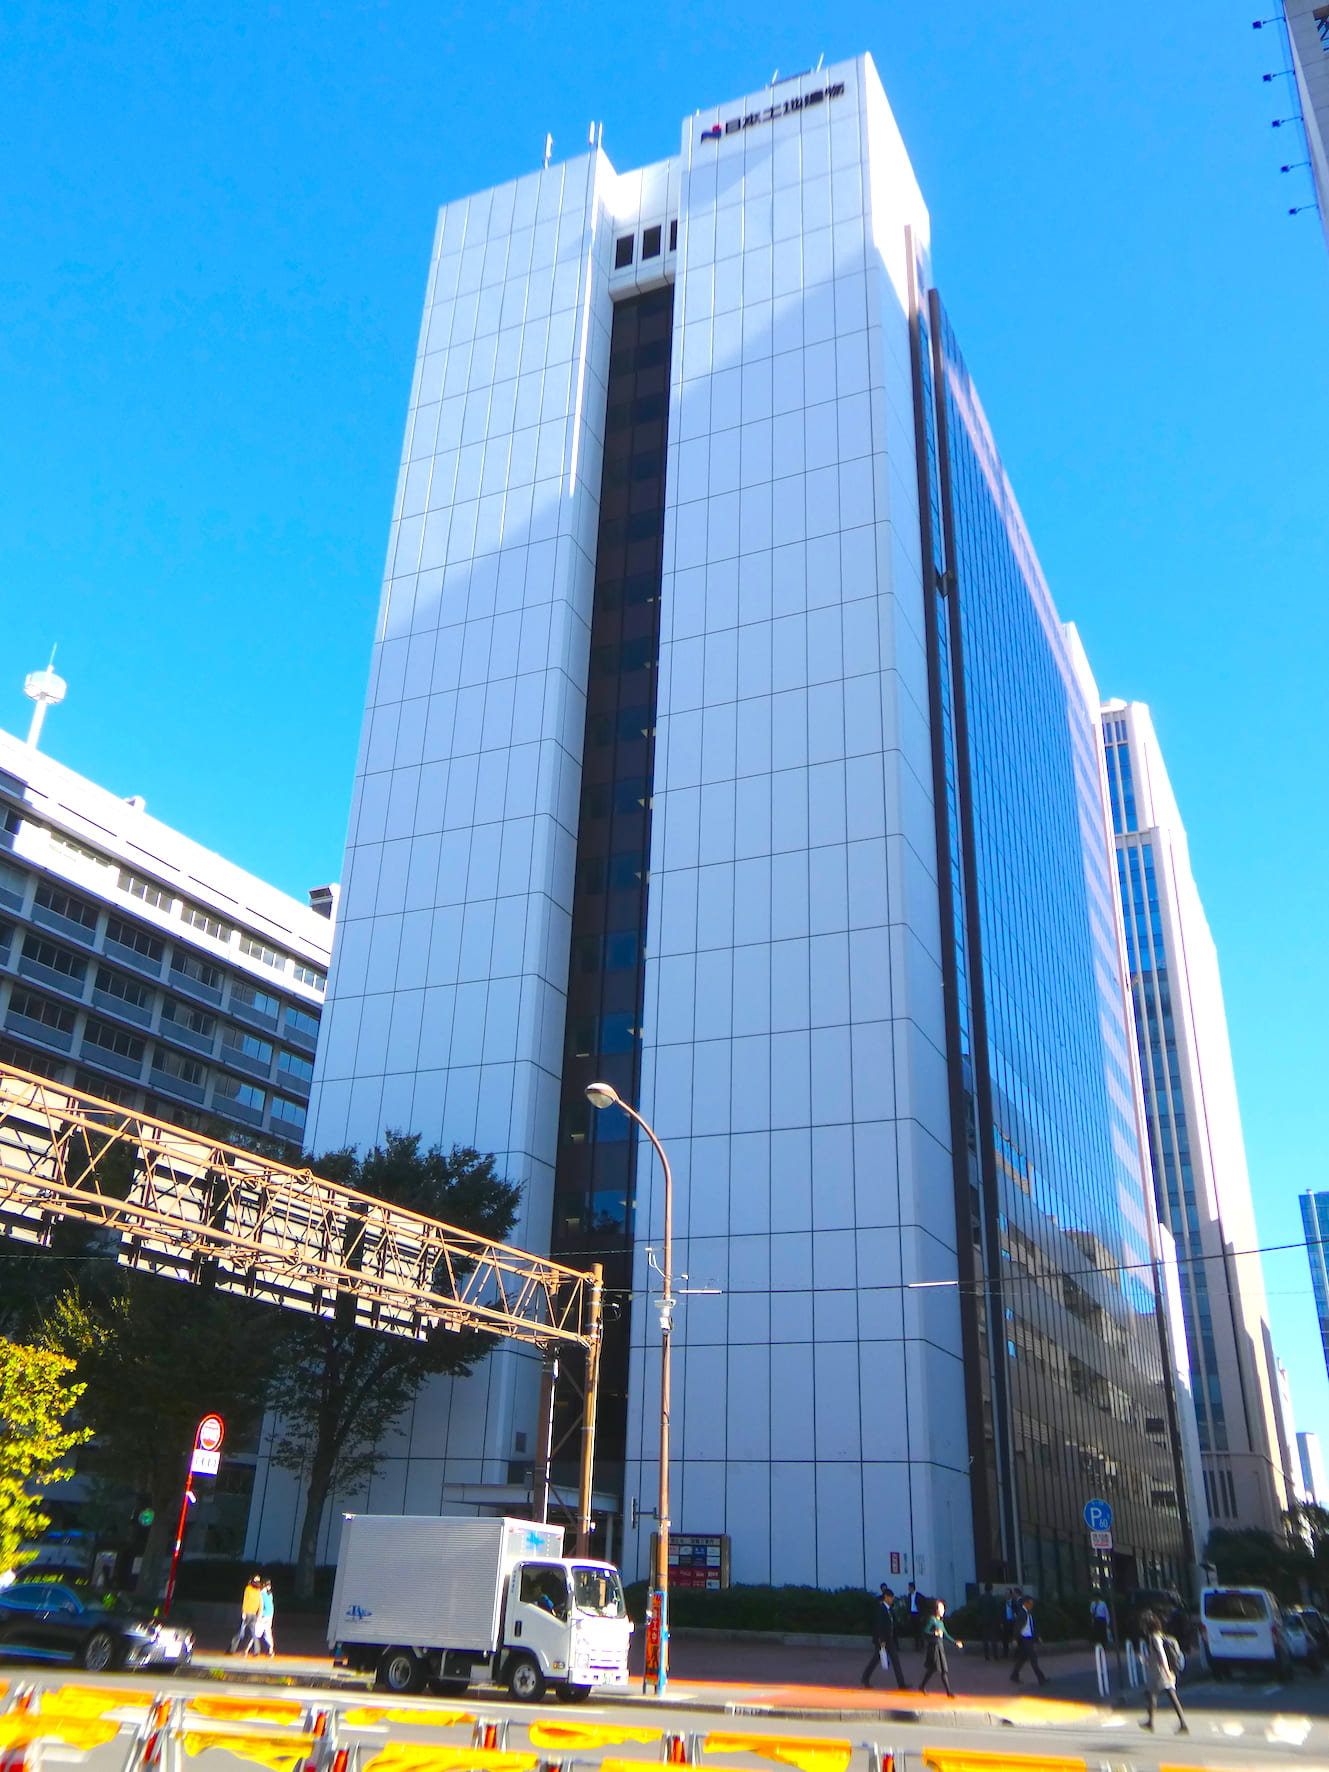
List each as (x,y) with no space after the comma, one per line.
(664,778)
(145,969)
(1198,1155)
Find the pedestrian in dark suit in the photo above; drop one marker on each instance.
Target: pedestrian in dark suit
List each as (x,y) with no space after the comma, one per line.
(918,1617)
(989,1620)
(884,1644)
(1026,1644)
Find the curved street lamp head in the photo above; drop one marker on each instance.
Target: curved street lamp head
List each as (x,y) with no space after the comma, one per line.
(602,1095)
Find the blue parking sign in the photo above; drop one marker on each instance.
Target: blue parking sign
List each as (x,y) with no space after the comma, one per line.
(1098,1516)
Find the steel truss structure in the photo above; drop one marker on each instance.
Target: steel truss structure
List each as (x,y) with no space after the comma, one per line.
(180,1203)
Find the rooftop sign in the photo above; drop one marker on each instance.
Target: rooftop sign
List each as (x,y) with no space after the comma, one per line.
(787,109)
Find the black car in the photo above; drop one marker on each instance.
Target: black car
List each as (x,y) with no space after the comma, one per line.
(68,1621)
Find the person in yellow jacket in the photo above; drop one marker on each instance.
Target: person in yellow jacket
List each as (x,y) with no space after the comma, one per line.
(245,1641)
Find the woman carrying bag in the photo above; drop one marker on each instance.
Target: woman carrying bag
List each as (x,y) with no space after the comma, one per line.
(1163,1661)
(935,1639)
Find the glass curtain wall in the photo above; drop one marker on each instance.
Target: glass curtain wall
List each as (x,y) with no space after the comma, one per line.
(595,1173)
(1056,1269)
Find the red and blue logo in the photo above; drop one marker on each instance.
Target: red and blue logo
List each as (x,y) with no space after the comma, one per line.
(712,134)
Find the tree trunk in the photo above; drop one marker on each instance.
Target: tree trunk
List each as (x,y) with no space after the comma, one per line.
(316,1501)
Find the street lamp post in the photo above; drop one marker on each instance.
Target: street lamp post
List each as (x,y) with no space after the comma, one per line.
(603,1095)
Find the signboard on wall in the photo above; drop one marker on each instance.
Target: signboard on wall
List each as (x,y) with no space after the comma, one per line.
(697,1560)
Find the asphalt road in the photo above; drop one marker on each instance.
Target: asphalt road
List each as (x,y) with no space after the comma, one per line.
(1264,1728)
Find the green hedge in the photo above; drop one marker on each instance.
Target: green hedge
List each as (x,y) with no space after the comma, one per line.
(845,1612)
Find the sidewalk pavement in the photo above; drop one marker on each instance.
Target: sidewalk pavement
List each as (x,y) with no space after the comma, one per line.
(776,1680)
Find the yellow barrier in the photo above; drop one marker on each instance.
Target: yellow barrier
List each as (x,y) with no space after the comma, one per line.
(282,1753)
(810,1753)
(587,1734)
(23,1728)
(423,1756)
(246,1710)
(90,1701)
(363,1716)
(948,1759)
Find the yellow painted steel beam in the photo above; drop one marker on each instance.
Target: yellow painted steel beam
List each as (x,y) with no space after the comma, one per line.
(177,1202)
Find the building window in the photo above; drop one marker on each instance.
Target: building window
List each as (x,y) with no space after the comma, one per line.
(243,1095)
(138,941)
(197,919)
(174,1064)
(247,1046)
(210,977)
(673,236)
(137,887)
(299,1021)
(115,984)
(193,1019)
(68,844)
(49,1015)
(622,251)
(295,1069)
(65,905)
(112,1039)
(54,959)
(256,1002)
(289,1113)
(306,974)
(264,955)
(650,243)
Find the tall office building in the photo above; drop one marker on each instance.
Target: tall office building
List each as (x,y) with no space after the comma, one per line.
(1308,39)
(723,741)
(1315,1223)
(1314,1483)
(141,967)
(1199,1163)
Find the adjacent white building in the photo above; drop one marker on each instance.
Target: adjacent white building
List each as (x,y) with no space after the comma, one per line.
(1198,1155)
(141,967)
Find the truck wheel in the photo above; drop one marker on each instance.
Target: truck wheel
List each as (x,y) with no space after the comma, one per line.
(574,1694)
(525,1681)
(399,1671)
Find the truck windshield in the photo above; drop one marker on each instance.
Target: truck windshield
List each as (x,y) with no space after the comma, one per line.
(598,1591)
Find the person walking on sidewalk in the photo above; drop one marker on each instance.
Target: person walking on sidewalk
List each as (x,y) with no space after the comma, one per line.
(936,1637)
(244,1639)
(917,1616)
(1163,1661)
(1026,1641)
(885,1648)
(1100,1621)
(266,1613)
(989,1622)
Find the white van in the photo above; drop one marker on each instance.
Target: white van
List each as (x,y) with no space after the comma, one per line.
(1243,1624)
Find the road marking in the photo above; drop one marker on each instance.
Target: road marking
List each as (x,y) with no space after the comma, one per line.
(1292,1730)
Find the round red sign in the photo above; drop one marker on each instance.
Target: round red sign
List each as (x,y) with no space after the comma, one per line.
(210,1432)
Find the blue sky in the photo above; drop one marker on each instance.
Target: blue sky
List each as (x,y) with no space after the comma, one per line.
(217,223)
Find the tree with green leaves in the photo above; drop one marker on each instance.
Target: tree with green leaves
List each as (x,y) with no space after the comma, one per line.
(340,1387)
(37,1393)
(155,1355)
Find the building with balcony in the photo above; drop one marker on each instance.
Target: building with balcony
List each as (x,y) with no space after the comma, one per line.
(143,968)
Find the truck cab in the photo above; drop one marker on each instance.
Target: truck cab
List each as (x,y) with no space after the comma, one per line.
(565,1625)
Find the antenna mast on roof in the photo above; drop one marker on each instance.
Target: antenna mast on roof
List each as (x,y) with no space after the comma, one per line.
(46,689)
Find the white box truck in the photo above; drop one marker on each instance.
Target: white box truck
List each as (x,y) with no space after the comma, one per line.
(421,1600)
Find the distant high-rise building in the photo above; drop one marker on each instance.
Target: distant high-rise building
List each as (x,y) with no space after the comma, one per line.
(724,743)
(1308,35)
(1315,1222)
(1314,1486)
(143,968)
(1194,1123)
